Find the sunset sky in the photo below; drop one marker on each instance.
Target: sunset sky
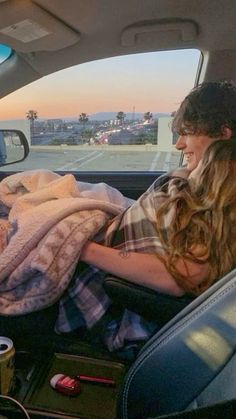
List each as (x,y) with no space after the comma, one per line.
(155,82)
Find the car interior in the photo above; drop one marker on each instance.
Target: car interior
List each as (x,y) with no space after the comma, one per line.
(186,369)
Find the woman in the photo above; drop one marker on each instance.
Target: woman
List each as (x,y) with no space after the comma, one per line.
(196,226)
(177,241)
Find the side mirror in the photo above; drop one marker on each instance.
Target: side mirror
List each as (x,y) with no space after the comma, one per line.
(14,146)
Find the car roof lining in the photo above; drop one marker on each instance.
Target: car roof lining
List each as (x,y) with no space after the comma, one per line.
(70,33)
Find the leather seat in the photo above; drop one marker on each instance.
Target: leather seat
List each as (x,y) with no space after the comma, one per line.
(190,362)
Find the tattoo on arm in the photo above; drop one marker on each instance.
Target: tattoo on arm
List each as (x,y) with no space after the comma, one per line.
(123,254)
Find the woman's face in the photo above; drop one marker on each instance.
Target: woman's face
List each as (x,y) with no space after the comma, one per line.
(193,147)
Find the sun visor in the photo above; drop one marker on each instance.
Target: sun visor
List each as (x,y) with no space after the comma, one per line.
(170,32)
(27,28)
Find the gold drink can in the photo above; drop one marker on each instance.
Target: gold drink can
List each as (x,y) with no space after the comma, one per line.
(7,354)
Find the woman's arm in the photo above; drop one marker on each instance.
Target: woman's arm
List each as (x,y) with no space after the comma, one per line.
(143,269)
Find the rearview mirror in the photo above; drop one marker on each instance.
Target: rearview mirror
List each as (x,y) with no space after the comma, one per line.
(13,147)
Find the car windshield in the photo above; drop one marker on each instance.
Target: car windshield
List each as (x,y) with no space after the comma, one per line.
(108,115)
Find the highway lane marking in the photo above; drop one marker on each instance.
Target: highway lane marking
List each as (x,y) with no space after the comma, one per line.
(154,162)
(93,155)
(92,158)
(166,166)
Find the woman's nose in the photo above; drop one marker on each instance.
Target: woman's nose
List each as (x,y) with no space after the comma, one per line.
(180,143)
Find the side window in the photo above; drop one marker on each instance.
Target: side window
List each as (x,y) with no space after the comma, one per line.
(108,115)
(5,53)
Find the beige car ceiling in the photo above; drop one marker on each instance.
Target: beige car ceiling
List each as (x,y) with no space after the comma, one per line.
(48,35)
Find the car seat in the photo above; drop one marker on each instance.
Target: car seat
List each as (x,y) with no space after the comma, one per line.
(190,362)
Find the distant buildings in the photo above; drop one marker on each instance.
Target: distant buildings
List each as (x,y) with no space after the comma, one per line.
(58,131)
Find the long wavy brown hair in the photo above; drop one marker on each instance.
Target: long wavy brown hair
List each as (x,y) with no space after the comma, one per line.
(203,227)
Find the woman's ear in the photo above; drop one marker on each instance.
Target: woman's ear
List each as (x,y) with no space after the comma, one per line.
(226,133)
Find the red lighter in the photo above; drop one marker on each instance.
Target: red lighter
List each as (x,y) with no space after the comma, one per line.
(65,384)
(71,386)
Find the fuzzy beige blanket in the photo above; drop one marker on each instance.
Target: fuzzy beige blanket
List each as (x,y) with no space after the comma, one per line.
(50,219)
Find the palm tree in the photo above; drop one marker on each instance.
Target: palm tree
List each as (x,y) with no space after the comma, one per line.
(147,116)
(31,115)
(83,119)
(120,117)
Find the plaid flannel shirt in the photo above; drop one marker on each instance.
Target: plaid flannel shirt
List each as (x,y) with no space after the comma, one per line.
(85,301)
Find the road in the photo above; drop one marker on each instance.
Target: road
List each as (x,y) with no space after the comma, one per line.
(98,158)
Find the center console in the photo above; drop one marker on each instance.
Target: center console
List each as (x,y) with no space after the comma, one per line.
(33,390)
